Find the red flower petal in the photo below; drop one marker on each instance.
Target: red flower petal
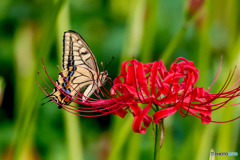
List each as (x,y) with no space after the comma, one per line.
(121,112)
(163,114)
(153,77)
(142,80)
(130,78)
(143,117)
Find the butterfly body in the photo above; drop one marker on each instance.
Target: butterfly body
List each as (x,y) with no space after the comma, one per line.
(80,71)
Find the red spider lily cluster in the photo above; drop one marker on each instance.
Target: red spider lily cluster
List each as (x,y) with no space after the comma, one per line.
(141,87)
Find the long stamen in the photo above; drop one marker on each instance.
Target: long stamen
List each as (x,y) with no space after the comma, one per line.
(44,81)
(219,68)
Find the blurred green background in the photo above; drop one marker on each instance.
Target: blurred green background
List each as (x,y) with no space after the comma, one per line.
(146,30)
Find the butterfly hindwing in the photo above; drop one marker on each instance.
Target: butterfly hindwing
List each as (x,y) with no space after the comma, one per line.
(77,52)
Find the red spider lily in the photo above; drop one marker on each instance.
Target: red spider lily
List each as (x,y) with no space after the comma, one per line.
(169,91)
(166,92)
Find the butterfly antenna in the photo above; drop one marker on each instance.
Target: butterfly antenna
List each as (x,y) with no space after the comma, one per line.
(47,102)
(46,96)
(109,62)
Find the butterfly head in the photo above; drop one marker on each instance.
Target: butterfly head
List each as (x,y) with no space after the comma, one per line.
(106,72)
(103,76)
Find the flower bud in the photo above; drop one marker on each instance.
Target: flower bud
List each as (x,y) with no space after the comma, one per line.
(193,7)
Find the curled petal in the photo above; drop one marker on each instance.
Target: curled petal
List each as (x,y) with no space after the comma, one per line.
(130,78)
(123,89)
(123,67)
(137,125)
(163,114)
(121,112)
(162,89)
(200,93)
(142,80)
(205,118)
(143,117)
(193,73)
(153,77)
(162,70)
(170,77)
(136,109)
(147,120)
(117,80)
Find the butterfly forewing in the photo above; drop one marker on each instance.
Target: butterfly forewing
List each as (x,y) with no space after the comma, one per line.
(77,52)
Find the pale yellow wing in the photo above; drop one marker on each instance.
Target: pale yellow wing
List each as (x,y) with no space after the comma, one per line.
(77,53)
(80,70)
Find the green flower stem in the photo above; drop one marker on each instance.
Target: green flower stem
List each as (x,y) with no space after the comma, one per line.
(157,141)
(157,135)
